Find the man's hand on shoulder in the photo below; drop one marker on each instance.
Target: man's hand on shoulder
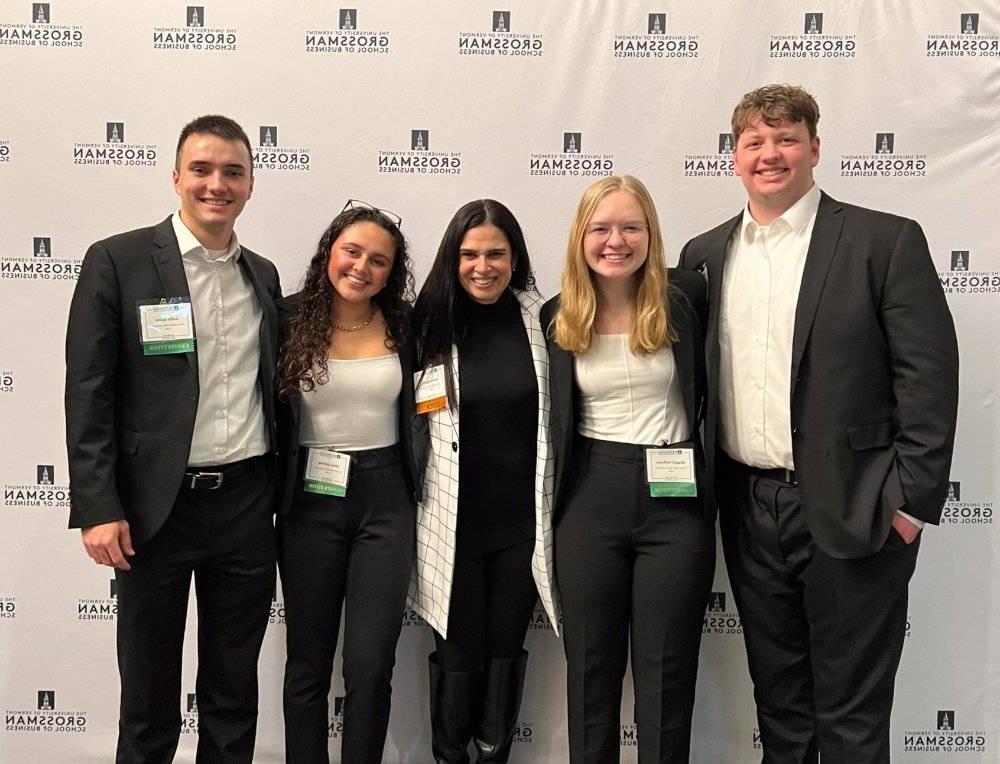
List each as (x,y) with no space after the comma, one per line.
(109,544)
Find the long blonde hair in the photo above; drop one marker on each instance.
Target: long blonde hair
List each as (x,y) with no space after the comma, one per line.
(574,324)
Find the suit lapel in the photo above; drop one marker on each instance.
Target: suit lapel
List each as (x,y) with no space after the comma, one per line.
(170,269)
(822,249)
(716,264)
(268,326)
(684,356)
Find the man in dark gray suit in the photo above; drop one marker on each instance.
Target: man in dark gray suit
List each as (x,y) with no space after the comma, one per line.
(833,390)
(170,429)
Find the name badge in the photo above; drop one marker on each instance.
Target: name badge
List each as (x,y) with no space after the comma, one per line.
(327,472)
(431,392)
(670,471)
(166,326)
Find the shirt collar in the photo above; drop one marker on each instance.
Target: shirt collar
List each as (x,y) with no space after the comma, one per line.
(188,243)
(796,217)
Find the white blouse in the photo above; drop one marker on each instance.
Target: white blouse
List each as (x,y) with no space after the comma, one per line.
(629,398)
(358,409)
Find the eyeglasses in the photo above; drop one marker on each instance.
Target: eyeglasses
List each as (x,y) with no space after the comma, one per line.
(629,231)
(357,204)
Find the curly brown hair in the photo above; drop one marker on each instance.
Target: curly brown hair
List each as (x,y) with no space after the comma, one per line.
(775,104)
(303,361)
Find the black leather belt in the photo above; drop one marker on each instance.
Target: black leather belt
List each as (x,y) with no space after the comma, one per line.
(211,478)
(768,473)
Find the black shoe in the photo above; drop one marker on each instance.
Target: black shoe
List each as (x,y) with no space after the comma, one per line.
(454,699)
(501,702)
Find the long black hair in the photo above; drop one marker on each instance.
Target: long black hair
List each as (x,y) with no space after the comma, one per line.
(437,315)
(305,351)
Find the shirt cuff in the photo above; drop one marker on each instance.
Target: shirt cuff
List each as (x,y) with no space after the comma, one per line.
(919,523)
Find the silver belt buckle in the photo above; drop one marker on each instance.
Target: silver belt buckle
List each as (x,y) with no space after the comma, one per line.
(198,475)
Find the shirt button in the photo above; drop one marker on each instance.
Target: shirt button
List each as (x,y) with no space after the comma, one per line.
(221,414)
(220,450)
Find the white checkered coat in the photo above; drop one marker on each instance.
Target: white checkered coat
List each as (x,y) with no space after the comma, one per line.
(437,514)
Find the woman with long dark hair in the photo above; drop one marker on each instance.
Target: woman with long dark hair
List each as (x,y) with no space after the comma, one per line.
(346,522)
(484,547)
(635,544)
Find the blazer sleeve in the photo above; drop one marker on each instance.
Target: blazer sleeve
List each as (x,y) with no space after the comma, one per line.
(923,353)
(93,342)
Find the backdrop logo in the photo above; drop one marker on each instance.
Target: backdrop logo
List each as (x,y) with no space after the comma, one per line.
(500,40)
(962,509)
(39,31)
(115,152)
(813,42)
(348,37)
(628,737)
(45,492)
(412,620)
(40,265)
(8,607)
(720,619)
(189,714)
(540,619)
(708,165)
(572,161)
(814,23)
(967,41)
(419,159)
(195,34)
(884,161)
(524,732)
(46,717)
(7,381)
(651,40)
(270,154)
(277,614)
(948,735)
(963,279)
(99,608)
(755,739)
(5,150)
(336,722)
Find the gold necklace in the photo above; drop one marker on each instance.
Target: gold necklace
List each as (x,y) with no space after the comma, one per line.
(357,327)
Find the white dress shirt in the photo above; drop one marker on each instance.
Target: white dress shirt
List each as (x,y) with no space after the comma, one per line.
(229,423)
(760,290)
(629,398)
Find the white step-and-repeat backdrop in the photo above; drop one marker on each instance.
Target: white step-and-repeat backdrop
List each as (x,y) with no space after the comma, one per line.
(419,107)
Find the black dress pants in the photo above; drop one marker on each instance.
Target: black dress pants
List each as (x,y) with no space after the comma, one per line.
(225,538)
(823,635)
(630,567)
(492,598)
(352,553)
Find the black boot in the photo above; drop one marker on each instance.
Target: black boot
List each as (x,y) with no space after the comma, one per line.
(501,702)
(454,696)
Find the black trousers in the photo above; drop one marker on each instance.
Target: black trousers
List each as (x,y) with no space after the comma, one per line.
(823,635)
(352,553)
(225,538)
(492,599)
(630,567)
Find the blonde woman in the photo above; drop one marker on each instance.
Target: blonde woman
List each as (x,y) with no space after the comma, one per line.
(635,545)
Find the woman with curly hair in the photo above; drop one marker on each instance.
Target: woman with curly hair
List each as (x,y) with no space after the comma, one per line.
(347,513)
(484,541)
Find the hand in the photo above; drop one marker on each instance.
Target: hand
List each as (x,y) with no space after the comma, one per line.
(109,543)
(907,530)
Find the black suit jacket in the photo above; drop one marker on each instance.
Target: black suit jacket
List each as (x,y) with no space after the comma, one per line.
(413,432)
(874,377)
(130,417)
(688,310)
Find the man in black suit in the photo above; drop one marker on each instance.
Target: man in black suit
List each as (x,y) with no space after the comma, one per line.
(170,356)
(833,389)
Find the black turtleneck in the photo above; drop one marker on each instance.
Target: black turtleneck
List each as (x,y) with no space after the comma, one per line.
(498,422)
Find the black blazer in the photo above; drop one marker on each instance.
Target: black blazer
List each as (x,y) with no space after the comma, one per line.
(688,309)
(874,377)
(130,417)
(413,432)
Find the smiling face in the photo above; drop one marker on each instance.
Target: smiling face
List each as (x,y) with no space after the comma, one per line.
(775,164)
(214,182)
(485,263)
(616,239)
(360,262)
